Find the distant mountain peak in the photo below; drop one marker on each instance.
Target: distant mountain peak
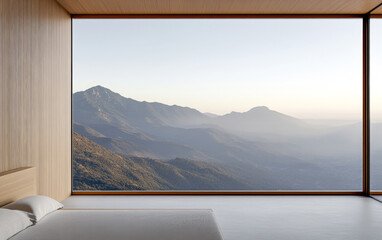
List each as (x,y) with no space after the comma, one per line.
(259,108)
(98,89)
(101,92)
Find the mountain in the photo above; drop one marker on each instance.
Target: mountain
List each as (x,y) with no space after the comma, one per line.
(137,144)
(116,118)
(215,148)
(97,168)
(262,148)
(263,123)
(162,131)
(99,105)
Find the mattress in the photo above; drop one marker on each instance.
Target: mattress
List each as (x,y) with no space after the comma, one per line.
(124,224)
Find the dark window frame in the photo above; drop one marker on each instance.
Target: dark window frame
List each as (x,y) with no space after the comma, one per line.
(365,101)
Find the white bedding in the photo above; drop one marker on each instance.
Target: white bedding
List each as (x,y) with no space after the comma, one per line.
(124,224)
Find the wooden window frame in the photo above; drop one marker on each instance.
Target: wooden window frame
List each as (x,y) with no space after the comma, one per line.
(365,100)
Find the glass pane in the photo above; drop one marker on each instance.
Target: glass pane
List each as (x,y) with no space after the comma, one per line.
(376,103)
(217,104)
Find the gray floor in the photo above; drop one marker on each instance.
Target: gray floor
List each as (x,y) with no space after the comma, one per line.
(264,217)
(378,197)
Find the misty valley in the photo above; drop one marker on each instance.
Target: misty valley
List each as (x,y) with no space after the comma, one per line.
(123,144)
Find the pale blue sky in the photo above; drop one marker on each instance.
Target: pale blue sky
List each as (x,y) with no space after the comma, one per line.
(308,68)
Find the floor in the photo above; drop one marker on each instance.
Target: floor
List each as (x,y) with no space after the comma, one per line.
(265,217)
(378,197)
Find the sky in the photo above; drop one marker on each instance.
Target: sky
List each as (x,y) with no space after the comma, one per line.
(307,68)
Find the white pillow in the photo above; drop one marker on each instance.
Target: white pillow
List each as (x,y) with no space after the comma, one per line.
(12,222)
(38,206)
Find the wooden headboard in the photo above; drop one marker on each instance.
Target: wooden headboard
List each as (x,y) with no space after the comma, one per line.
(16,184)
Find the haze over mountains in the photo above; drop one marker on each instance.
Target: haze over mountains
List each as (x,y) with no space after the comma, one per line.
(257,150)
(97,168)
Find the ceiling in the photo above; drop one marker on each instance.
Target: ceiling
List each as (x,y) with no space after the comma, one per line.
(378,10)
(220,6)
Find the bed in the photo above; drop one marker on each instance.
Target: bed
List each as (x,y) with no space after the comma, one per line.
(127,224)
(124,224)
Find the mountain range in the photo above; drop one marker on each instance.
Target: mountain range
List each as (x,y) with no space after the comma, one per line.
(260,149)
(97,168)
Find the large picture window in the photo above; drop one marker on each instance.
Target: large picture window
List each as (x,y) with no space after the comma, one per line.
(376,104)
(217,104)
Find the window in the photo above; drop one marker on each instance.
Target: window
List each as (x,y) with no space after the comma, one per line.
(217,104)
(376,104)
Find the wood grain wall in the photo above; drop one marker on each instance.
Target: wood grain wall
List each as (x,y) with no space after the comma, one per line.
(35,92)
(16,184)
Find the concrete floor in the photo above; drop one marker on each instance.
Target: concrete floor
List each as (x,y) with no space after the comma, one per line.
(265,217)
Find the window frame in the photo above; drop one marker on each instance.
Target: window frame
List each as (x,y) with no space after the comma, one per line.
(376,192)
(365,101)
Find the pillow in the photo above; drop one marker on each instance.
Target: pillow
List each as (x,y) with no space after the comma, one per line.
(38,206)
(12,222)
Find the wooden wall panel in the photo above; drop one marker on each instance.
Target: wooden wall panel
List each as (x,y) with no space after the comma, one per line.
(16,184)
(35,92)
